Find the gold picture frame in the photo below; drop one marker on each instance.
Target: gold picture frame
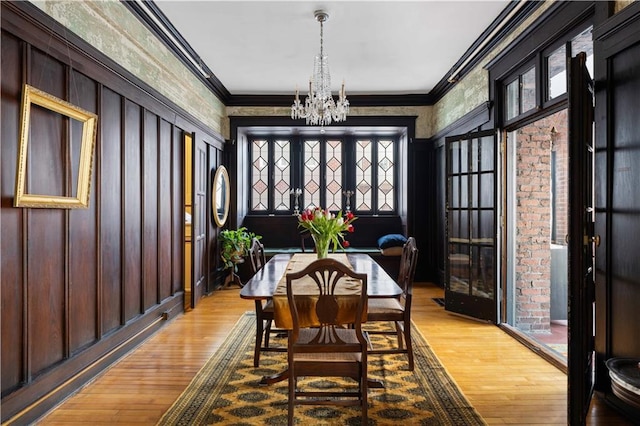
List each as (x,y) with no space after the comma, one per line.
(89,120)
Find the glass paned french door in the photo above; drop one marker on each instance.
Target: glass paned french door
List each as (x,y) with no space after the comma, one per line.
(471,225)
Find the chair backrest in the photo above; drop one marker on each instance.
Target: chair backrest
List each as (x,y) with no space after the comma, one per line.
(408,262)
(305,236)
(257,256)
(333,295)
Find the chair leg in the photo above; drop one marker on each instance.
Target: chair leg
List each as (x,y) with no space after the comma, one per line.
(259,332)
(365,395)
(399,334)
(267,332)
(292,395)
(407,339)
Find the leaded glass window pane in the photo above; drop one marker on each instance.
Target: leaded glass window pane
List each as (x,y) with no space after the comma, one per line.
(333,170)
(556,66)
(282,174)
(364,176)
(311,174)
(260,175)
(386,176)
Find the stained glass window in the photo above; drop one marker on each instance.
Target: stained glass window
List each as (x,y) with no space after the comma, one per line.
(260,175)
(282,174)
(364,175)
(333,173)
(328,169)
(386,173)
(311,173)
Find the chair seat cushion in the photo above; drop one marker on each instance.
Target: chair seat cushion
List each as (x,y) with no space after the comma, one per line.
(392,251)
(268,307)
(384,306)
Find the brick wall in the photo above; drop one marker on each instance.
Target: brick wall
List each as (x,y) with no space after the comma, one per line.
(533,216)
(535,144)
(560,145)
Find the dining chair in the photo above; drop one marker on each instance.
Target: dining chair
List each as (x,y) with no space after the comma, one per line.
(305,236)
(397,310)
(264,312)
(333,345)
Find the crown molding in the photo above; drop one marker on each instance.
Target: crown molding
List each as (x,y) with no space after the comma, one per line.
(444,85)
(354,100)
(254,100)
(169,35)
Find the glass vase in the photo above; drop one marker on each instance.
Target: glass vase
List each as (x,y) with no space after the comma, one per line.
(322,245)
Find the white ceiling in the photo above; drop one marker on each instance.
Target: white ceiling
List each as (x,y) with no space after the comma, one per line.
(376,47)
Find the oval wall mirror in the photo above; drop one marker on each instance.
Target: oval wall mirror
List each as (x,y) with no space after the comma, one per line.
(220,192)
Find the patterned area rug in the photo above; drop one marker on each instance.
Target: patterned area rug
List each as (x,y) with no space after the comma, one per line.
(226,390)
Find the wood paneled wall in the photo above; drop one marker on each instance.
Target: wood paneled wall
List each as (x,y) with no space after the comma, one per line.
(81,287)
(617,201)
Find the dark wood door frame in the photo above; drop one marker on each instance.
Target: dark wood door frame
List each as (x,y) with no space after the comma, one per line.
(581,226)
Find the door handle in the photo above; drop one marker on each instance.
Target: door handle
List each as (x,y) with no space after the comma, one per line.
(595,239)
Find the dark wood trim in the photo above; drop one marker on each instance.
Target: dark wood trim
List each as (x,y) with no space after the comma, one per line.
(560,18)
(92,335)
(618,32)
(443,86)
(98,191)
(614,34)
(87,365)
(211,82)
(408,121)
(354,100)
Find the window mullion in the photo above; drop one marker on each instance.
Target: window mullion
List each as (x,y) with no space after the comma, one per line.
(272,171)
(374,176)
(296,164)
(348,178)
(323,172)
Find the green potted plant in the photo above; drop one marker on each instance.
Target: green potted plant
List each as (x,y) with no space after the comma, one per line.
(234,246)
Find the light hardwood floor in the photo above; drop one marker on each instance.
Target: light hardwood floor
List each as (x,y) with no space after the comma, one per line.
(503,380)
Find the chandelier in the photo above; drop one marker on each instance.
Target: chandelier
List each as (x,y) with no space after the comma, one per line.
(319,107)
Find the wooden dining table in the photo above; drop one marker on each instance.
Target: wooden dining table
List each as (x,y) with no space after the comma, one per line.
(265,283)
